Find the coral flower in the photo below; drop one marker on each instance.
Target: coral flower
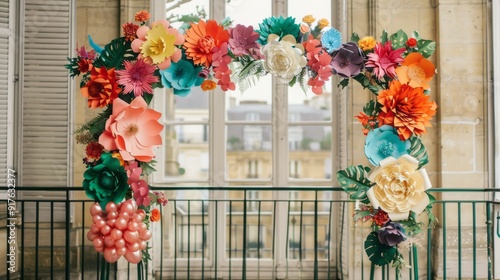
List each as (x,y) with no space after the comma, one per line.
(133,129)
(155,215)
(416,71)
(141,192)
(407,109)
(137,77)
(129,31)
(102,88)
(208,85)
(242,39)
(201,38)
(142,16)
(384,60)
(158,44)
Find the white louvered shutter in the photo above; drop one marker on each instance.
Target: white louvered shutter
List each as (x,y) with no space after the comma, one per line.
(6,88)
(45,146)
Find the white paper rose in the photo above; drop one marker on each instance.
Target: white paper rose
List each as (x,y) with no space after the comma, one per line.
(283,58)
(399,187)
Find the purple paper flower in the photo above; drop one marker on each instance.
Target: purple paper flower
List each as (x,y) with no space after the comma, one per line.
(242,39)
(391,234)
(348,60)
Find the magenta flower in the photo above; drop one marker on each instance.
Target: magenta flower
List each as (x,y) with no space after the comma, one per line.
(137,77)
(242,39)
(384,60)
(141,193)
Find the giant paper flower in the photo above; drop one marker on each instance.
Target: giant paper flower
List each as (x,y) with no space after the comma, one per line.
(416,71)
(284,58)
(384,60)
(158,44)
(102,88)
(137,77)
(106,181)
(348,60)
(201,39)
(242,39)
(399,187)
(331,40)
(181,76)
(384,142)
(279,26)
(133,129)
(408,109)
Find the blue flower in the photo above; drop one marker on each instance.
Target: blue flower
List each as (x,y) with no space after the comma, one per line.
(181,76)
(384,142)
(331,40)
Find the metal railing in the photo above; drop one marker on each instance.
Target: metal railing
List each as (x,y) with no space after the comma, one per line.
(226,235)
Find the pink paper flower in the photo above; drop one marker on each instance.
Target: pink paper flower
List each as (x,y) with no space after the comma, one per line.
(137,77)
(242,39)
(133,172)
(133,129)
(141,193)
(384,60)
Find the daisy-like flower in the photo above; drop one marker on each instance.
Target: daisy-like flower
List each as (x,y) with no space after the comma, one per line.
(407,109)
(208,85)
(158,44)
(137,77)
(309,19)
(367,43)
(142,16)
(384,60)
(129,31)
(242,39)
(102,87)
(201,39)
(331,40)
(93,150)
(322,23)
(416,71)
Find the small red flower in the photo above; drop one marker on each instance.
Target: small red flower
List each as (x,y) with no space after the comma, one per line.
(94,150)
(129,31)
(380,218)
(411,43)
(142,16)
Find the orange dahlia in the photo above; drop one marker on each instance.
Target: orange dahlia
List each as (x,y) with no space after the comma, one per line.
(416,71)
(102,87)
(201,39)
(406,108)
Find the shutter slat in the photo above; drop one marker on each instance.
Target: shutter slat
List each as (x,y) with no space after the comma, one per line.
(4,90)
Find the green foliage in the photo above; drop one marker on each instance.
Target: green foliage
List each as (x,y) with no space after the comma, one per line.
(418,151)
(114,53)
(354,181)
(398,39)
(96,126)
(426,47)
(371,108)
(411,225)
(430,216)
(354,37)
(361,214)
(72,66)
(372,85)
(147,167)
(343,83)
(248,73)
(377,252)
(384,37)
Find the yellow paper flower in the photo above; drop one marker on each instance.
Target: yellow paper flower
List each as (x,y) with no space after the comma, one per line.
(399,187)
(322,23)
(367,43)
(159,44)
(308,19)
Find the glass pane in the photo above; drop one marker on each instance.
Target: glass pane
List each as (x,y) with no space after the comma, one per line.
(200,7)
(310,152)
(193,107)
(248,110)
(248,12)
(316,109)
(186,152)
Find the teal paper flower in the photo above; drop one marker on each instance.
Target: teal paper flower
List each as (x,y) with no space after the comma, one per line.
(279,26)
(181,76)
(107,181)
(384,142)
(331,40)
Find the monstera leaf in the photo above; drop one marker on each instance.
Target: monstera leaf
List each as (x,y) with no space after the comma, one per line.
(355,183)
(426,47)
(398,39)
(377,252)
(114,53)
(418,151)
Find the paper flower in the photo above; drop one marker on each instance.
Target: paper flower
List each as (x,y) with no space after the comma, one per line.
(130,31)
(408,109)
(133,129)
(208,85)
(181,76)
(93,150)
(155,215)
(348,60)
(102,87)
(242,39)
(321,66)
(133,171)
(384,60)
(331,40)
(158,44)
(142,16)
(140,191)
(284,58)
(384,142)
(416,71)
(201,38)
(278,26)
(399,187)
(309,19)
(391,234)
(106,181)
(367,43)
(137,77)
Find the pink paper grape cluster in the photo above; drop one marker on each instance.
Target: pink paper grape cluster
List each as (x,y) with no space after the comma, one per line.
(119,231)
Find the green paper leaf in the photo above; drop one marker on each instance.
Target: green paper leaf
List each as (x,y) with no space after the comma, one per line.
(361,214)
(418,151)
(411,226)
(377,252)
(372,108)
(373,86)
(426,47)
(416,35)
(355,183)
(114,53)
(398,39)
(343,83)
(147,167)
(292,82)
(147,97)
(384,37)
(354,37)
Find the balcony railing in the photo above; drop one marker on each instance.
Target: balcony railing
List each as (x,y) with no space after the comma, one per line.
(225,233)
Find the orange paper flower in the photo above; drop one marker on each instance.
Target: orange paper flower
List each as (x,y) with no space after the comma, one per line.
(155,215)
(102,88)
(407,109)
(142,16)
(416,71)
(201,39)
(208,85)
